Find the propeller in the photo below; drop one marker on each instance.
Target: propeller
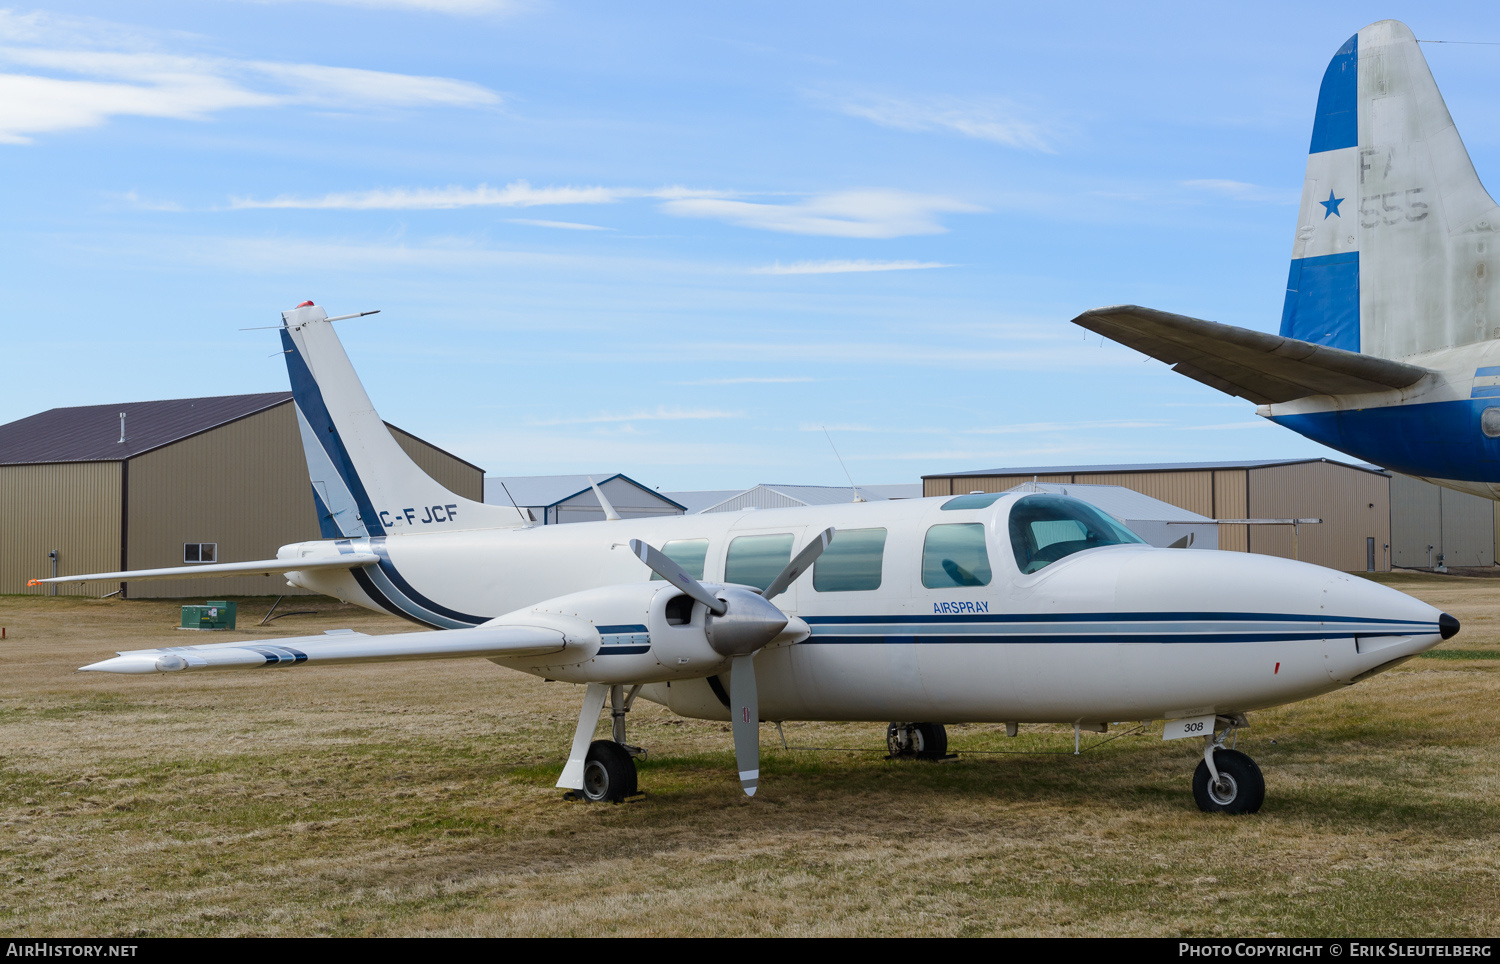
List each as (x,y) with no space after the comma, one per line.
(799,565)
(740,624)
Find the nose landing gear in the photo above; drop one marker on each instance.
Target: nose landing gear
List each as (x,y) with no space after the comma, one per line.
(1227,781)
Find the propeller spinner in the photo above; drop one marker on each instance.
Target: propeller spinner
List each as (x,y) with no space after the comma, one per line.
(740,623)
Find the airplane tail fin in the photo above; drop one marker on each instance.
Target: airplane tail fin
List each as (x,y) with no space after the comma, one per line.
(363,483)
(1395,235)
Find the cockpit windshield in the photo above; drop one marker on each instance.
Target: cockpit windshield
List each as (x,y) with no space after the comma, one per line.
(1045,528)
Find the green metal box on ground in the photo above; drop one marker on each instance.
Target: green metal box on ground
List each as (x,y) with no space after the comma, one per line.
(215,614)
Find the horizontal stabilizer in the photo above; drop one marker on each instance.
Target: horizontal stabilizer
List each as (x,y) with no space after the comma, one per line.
(1256,365)
(348,560)
(341,646)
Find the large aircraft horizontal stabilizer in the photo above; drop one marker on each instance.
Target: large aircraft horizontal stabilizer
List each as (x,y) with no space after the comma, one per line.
(1256,365)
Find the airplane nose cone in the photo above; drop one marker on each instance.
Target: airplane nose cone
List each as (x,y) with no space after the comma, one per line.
(1448,626)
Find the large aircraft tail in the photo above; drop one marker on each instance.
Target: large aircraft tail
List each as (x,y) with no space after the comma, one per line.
(1395,234)
(363,483)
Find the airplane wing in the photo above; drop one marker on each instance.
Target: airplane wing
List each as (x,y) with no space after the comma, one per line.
(340,646)
(1255,365)
(348,560)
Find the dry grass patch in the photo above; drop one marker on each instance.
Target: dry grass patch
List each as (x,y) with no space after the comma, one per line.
(417,799)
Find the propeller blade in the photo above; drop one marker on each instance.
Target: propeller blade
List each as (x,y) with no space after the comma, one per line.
(799,565)
(672,573)
(744,704)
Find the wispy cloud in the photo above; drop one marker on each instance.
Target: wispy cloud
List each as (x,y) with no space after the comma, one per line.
(1019,428)
(1022,428)
(844,267)
(472,8)
(770,380)
(563,225)
(517,194)
(1224,425)
(77,73)
(994,119)
(659,415)
(970,456)
(874,213)
(1242,191)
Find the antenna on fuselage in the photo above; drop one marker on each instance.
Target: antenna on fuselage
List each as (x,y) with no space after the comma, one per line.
(857,496)
(525,516)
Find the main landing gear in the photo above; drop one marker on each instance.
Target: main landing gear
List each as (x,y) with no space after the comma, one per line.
(1227,781)
(602,770)
(924,741)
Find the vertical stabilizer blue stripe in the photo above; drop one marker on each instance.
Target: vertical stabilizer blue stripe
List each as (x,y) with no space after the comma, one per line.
(309,399)
(326,524)
(1336,125)
(1322,301)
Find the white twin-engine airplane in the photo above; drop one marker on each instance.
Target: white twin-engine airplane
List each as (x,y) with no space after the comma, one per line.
(1014,608)
(1390,330)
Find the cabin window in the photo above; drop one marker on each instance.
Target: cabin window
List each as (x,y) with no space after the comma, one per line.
(1045,528)
(851,562)
(974,500)
(954,555)
(756,560)
(687,553)
(200,552)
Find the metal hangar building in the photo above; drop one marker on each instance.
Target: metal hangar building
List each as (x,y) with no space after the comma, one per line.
(144,485)
(1373,519)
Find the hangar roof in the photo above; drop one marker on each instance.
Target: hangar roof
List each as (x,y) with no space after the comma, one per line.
(775,496)
(545,491)
(1145,467)
(91,433)
(1119,501)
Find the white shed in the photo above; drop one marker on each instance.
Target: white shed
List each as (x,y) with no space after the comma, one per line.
(553,499)
(772,496)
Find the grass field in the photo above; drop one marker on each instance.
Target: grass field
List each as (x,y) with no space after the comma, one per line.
(417,799)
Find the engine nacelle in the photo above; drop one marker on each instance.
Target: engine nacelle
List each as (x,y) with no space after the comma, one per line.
(627,633)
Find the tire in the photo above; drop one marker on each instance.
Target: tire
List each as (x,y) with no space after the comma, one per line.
(929,741)
(1244,788)
(608,773)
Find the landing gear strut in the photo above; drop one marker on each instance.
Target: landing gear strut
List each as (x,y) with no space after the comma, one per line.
(925,741)
(602,770)
(1227,781)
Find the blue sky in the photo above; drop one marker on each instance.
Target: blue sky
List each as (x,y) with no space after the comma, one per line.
(677,240)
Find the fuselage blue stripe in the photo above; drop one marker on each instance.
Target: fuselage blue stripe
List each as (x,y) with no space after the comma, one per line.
(1065,638)
(945,618)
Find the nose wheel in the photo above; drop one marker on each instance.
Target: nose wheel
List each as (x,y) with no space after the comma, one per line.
(1227,781)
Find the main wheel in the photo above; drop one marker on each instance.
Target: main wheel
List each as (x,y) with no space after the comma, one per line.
(608,772)
(1241,788)
(929,741)
(896,741)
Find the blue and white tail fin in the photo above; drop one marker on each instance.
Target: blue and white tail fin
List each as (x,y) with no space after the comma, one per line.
(363,483)
(1395,235)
